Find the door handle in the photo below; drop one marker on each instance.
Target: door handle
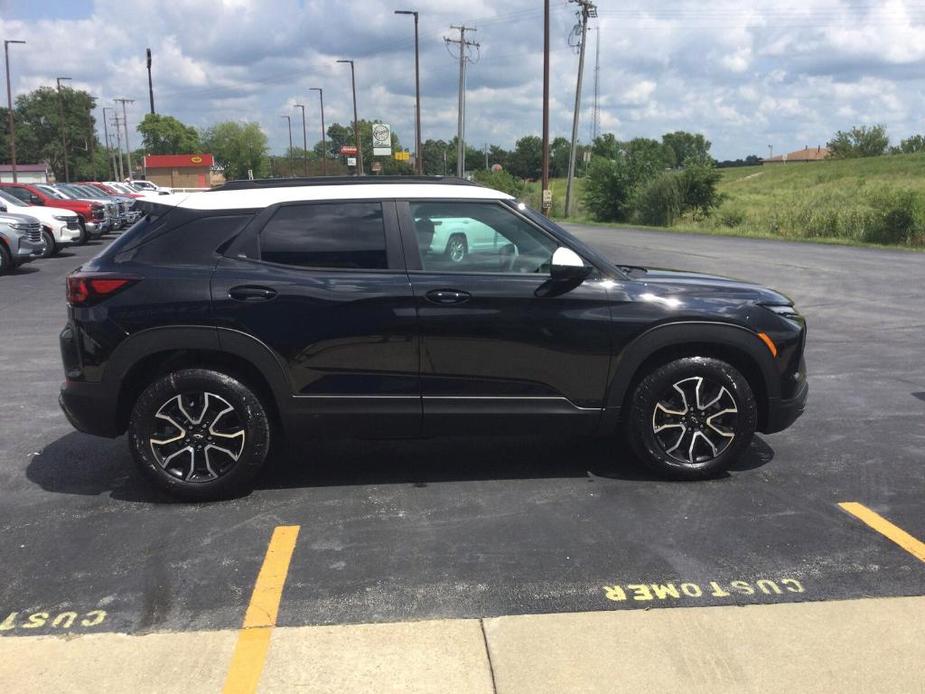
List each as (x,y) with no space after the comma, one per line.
(448,296)
(250,293)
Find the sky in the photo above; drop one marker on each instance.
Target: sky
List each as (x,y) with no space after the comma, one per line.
(746,73)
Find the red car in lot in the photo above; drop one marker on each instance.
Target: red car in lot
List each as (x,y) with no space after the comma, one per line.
(92,214)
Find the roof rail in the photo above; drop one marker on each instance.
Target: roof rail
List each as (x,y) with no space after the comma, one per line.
(340,181)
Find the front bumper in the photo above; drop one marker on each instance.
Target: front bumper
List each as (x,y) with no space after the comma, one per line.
(782,412)
(27,251)
(66,236)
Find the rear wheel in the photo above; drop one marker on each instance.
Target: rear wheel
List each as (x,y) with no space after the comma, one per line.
(457,248)
(199,434)
(691,418)
(84,237)
(51,248)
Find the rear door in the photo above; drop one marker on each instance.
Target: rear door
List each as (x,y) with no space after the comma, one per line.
(324,287)
(503,348)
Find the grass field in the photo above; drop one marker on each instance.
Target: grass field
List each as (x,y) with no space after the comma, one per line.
(878,200)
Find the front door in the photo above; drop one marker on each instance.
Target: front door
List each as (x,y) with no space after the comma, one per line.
(323,286)
(503,348)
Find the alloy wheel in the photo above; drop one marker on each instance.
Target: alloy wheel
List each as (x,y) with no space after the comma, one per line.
(695,420)
(457,250)
(198,437)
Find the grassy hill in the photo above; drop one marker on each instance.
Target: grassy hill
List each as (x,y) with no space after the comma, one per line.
(873,200)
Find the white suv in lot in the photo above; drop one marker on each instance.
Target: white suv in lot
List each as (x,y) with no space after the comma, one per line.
(60,228)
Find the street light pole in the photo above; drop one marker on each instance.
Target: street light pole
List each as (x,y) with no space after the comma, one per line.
(67,174)
(9,101)
(304,141)
(356,123)
(418,159)
(289,121)
(324,146)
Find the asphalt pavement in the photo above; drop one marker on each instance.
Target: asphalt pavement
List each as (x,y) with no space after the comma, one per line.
(460,528)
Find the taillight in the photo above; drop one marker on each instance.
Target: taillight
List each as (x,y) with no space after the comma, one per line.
(87,290)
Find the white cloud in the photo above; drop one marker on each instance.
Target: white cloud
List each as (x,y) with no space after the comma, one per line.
(743,73)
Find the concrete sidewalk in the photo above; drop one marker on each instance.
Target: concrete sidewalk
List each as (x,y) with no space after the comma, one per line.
(846,646)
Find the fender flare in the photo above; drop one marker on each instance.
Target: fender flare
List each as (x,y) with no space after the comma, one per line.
(172,338)
(722,335)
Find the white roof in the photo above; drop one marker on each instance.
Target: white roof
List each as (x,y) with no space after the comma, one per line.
(264,197)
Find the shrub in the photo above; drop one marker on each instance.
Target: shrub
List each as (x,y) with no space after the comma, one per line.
(500,180)
(608,188)
(660,201)
(698,182)
(896,218)
(731,217)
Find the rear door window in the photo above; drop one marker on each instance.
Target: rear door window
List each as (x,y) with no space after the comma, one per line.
(336,235)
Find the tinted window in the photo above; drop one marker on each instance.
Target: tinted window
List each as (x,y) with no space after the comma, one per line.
(326,235)
(478,237)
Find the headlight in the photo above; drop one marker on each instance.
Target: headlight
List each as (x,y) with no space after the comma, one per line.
(62,218)
(783,310)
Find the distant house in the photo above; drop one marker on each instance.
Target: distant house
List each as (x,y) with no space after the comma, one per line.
(801,155)
(25,173)
(181,170)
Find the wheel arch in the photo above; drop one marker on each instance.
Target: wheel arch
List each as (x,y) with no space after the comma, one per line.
(152,353)
(736,345)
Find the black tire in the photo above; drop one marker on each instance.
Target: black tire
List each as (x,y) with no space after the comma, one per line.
(6,260)
(84,237)
(457,248)
(183,467)
(51,248)
(668,401)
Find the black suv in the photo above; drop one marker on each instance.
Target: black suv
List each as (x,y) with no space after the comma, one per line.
(406,307)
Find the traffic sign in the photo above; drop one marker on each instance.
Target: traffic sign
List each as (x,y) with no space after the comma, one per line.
(402,155)
(348,150)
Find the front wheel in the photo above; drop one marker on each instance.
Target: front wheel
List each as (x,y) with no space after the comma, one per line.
(457,248)
(199,434)
(51,248)
(6,261)
(691,418)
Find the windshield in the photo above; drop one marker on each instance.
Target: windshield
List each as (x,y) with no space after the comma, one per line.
(11,200)
(57,194)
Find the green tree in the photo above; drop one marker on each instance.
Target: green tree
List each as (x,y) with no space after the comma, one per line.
(167,135)
(608,189)
(38,132)
(526,160)
(605,146)
(559,150)
(684,146)
(433,152)
(860,141)
(238,147)
(500,180)
(913,144)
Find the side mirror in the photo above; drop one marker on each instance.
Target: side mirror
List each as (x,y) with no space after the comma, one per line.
(567,266)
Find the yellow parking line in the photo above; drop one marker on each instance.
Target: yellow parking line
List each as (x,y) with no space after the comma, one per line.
(913,546)
(250,651)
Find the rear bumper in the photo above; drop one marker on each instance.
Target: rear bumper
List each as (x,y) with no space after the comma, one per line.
(784,412)
(89,408)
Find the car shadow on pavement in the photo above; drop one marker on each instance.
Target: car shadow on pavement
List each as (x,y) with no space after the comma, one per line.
(90,466)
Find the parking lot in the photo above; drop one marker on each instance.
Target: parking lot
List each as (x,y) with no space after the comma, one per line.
(459,528)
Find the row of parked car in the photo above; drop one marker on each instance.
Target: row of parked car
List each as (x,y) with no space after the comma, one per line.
(37,220)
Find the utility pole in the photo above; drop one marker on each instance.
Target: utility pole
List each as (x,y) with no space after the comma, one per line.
(544,185)
(418,159)
(117,125)
(150,83)
(289,122)
(128,148)
(9,102)
(91,143)
(110,162)
(486,156)
(356,122)
(67,173)
(596,112)
(304,141)
(586,9)
(324,146)
(770,152)
(464,45)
